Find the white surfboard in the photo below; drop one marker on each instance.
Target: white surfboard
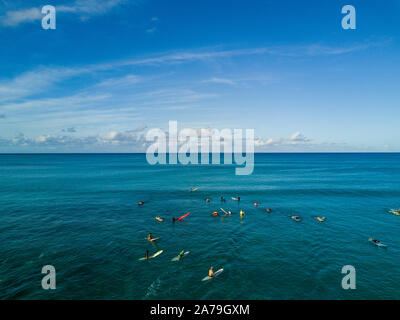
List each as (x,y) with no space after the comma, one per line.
(154,239)
(177,258)
(152,256)
(216,274)
(224,211)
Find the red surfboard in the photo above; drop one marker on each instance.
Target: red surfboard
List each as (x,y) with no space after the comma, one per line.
(183,216)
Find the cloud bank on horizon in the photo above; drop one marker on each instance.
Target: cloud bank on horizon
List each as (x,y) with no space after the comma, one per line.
(101,79)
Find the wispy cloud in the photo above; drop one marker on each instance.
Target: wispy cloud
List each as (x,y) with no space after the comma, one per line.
(124,81)
(151,30)
(35,81)
(14,18)
(90,7)
(220,80)
(83,8)
(42,78)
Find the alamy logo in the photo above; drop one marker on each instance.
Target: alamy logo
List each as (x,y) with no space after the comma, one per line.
(349,20)
(186,145)
(49,280)
(49,20)
(349,280)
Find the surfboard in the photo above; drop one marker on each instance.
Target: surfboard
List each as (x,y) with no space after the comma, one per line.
(379,244)
(159,219)
(184,216)
(224,211)
(216,274)
(234,198)
(152,256)
(177,257)
(194,189)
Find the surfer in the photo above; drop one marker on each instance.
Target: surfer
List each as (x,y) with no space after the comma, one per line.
(208,200)
(256,204)
(223,199)
(150,237)
(229,212)
(146,256)
(140,203)
(211,273)
(238,198)
(268,210)
(181,254)
(241,213)
(173,219)
(215,213)
(375,241)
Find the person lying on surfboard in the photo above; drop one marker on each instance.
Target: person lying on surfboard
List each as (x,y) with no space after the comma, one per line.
(373,240)
(211,272)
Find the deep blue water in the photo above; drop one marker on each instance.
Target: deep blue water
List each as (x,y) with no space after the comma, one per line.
(79,214)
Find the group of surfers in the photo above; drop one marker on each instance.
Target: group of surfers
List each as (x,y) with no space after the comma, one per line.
(229,212)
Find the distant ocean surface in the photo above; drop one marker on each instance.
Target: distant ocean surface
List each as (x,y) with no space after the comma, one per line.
(79,213)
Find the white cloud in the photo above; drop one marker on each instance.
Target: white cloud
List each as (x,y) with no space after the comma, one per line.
(83,8)
(90,7)
(128,139)
(14,18)
(140,128)
(295,139)
(298,137)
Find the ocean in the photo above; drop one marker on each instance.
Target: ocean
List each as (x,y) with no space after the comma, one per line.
(79,213)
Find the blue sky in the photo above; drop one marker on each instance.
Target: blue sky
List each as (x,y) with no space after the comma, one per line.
(114,68)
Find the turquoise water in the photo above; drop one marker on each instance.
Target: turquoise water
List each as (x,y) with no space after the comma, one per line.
(79,214)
